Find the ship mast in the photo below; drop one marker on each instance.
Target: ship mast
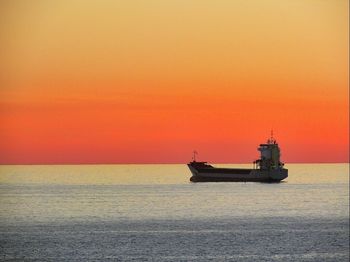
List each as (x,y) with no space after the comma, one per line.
(194,155)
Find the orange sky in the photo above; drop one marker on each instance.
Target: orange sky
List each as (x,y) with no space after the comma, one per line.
(149,81)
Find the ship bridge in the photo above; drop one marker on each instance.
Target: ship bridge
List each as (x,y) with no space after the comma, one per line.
(269,155)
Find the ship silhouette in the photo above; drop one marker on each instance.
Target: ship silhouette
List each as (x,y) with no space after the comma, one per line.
(268,168)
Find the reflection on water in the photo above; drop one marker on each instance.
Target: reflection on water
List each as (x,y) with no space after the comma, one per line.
(153,212)
(151,174)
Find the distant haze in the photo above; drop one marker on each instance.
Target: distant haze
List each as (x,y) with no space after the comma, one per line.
(151,81)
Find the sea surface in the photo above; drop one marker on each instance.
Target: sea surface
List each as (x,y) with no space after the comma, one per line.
(153,213)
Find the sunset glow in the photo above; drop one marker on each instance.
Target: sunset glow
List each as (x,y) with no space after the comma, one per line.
(150,81)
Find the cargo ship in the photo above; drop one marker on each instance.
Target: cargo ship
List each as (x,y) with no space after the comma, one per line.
(268,168)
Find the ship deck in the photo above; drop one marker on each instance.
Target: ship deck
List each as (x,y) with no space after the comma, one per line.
(225,170)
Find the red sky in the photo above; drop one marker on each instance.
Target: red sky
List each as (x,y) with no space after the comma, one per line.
(150,81)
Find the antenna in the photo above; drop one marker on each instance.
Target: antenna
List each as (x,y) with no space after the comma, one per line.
(271,140)
(271,134)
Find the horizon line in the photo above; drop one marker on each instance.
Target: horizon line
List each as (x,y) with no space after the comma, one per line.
(165,163)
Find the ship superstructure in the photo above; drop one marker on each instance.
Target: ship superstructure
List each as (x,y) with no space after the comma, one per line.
(268,168)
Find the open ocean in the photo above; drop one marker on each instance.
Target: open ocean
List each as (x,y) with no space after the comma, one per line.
(153,213)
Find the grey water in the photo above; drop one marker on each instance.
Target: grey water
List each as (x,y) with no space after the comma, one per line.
(154,213)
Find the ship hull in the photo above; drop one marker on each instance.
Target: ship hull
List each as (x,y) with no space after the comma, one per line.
(236,175)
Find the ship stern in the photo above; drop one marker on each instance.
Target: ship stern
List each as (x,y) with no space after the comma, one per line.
(278,174)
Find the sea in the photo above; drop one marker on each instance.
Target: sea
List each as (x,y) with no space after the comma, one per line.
(154,213)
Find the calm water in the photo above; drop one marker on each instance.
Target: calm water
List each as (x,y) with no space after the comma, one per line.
(153,213)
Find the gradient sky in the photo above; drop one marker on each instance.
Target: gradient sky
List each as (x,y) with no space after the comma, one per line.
(150,81)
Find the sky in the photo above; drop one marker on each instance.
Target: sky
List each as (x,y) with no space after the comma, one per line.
(150,81)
